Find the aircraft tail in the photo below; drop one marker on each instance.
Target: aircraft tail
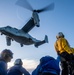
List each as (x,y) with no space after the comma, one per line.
(42,42)
(46,39)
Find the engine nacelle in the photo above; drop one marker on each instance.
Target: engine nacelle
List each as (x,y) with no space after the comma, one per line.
(36,19)
(8,40)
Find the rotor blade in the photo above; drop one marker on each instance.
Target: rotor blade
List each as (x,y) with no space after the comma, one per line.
(49,7)
(25,4)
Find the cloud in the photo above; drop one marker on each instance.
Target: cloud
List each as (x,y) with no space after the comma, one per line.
(30,65)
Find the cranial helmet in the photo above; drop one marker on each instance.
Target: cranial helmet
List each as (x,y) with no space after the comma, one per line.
(6,53)
(18,62)
(46,59)
(60,34)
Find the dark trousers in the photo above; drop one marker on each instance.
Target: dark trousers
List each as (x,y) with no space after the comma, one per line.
(64,68)
(64,64)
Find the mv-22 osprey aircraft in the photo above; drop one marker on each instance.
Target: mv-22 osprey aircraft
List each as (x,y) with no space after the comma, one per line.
(22,35)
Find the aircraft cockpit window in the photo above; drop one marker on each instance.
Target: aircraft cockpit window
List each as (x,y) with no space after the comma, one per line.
(8,26)
(16,28)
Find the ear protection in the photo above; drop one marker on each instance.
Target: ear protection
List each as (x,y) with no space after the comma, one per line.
(5,56)
(6,53)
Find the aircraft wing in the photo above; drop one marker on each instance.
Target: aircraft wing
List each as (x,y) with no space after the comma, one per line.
(28,26)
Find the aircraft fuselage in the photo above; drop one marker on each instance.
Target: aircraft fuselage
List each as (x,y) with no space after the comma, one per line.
(17,35)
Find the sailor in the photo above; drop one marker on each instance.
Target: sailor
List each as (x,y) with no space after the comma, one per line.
(65,52)
(5,57)
(48,66)
(17,69)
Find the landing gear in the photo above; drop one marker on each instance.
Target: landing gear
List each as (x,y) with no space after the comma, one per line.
(8,40)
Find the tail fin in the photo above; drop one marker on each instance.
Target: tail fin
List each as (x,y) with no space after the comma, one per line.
(42,42)
(46,39)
